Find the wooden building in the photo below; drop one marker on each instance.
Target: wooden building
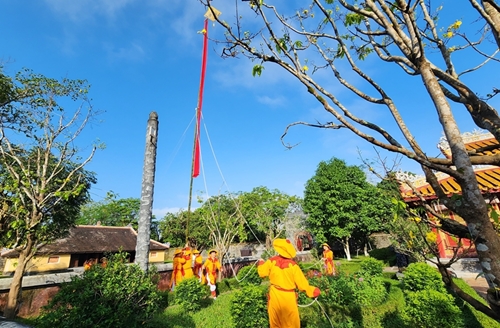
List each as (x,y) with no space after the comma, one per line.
(84,243)
(488,178)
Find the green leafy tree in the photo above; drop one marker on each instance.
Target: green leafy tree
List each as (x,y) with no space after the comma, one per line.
(111,211)
(340,202)
(411,41)
(172,229)
(42,174)
(266,212)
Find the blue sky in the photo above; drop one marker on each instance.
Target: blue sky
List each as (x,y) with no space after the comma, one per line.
(143,56)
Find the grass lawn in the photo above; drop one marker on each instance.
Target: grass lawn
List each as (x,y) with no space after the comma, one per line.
(216,314)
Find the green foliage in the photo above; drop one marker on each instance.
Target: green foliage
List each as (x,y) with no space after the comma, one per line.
(431,308)
(173,229)
(371,267)
(257,70)
(349,290)
(249,308)
(248,275)
(228,284)
(340,202)
(386,255)
(266,211)
(189,293)
(353,19)
(119,295)
(421,276)
(111,211)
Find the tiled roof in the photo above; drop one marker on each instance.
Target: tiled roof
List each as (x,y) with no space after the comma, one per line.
(490,143)
(488,180)
(94,239)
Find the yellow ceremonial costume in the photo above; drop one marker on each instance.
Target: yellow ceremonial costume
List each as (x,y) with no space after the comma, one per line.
(177,269)
(328,260)
(187,264)
(198,263)
(211,266)
(285,277)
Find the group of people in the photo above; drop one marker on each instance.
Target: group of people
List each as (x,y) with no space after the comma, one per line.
(285,277)
(188,263)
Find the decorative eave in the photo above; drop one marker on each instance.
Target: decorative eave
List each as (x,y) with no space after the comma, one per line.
(488,179)
(480,140)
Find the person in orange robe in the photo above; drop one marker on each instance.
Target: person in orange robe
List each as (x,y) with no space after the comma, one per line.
(197,264)
(187,264)
(328,260)
(177,269)
(211,266)
(285,277)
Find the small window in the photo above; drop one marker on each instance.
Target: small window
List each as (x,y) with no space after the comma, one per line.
(153,254)
(53,259)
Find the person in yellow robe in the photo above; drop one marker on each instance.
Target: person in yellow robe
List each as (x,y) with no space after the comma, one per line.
(197,264)
(187,263)
(177,269)
(211,266)
(285,277)
(328,265)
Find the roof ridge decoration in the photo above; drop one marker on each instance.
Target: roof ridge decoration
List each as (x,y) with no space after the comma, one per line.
(467,137)
(409,179)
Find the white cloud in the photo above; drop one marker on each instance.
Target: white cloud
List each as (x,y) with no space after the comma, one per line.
(84,9)
(278,101)
(134,52)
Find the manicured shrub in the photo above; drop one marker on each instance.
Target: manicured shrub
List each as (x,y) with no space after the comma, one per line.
(348,290)
(120,295)
(431,308)
(371,267)
(189,293)
(370,291)
(227,284)
(421,276)
(248,276)
(249,307)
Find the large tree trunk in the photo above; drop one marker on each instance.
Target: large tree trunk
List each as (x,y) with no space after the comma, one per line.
(471,206)
(347,250)
(11,308)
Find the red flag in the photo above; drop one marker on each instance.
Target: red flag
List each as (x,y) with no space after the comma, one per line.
(196,159)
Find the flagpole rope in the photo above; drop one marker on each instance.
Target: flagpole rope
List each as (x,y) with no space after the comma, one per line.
(230,194)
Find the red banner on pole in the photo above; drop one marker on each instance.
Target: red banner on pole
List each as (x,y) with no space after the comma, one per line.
(196,159)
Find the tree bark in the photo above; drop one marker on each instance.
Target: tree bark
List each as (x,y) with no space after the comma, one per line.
(146,207)
(11,307)
(471,206)
(346,248)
